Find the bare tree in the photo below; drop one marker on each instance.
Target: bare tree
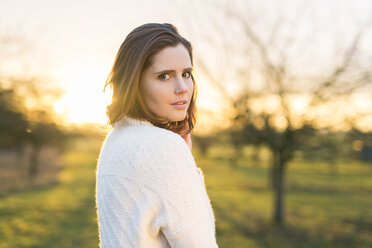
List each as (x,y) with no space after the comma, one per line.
(268,55)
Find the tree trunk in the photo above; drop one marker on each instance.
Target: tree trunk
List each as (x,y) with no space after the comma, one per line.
(34,161)
(255,156)
(278,186)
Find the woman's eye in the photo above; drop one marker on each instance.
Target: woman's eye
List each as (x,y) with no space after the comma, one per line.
(164,76)
(186,74)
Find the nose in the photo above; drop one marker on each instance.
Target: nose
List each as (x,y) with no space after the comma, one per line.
(181,87)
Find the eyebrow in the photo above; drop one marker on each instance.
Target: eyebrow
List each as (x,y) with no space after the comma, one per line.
(172,71)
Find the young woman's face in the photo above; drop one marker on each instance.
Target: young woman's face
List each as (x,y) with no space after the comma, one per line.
(167,85)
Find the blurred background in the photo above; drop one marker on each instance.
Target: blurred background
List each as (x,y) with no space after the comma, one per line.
(284,128)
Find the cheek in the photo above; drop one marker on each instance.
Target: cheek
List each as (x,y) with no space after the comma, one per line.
(156,94)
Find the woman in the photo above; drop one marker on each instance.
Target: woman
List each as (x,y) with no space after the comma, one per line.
(149,191)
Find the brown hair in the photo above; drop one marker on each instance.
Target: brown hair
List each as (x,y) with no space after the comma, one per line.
(134,56)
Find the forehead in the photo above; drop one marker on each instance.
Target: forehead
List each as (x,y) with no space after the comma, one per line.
(171,58)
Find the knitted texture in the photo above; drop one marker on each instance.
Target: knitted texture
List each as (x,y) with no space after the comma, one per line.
(149,191)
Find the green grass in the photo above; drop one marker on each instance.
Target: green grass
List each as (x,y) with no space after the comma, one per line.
(321,209)
(59,215)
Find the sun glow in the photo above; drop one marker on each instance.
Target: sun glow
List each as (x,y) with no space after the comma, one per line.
(84,100)
(76,107)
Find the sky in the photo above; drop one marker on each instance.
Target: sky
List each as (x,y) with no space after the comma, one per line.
(74,42)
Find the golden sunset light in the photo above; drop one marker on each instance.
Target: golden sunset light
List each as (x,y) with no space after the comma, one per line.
(82,69)
(274,151)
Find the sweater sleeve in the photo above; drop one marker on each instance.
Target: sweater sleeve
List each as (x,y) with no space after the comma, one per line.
(187,218)
(128,213)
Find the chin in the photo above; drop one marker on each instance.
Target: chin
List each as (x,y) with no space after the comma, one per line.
(177,117)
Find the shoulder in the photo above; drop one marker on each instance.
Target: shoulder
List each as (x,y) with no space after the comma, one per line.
(165,148)
(143,136)
(163,140)
(143,133)
(164,158)
(142,146)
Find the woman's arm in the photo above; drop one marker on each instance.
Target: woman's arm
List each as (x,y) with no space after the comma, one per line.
(125,211)
(187,138)
(187,214)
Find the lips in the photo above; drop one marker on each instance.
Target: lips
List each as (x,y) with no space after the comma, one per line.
(180,102)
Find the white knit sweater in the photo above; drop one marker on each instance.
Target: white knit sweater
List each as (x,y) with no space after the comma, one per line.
(149,191)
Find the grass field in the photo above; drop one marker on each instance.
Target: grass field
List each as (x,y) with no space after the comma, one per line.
(321,209)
